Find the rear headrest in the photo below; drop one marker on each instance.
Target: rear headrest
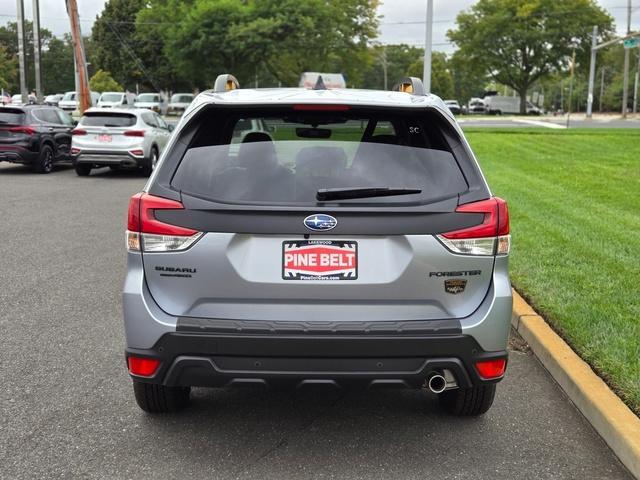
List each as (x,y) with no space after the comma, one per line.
(252,137)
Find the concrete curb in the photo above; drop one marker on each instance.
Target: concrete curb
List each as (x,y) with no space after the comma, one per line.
(612,419)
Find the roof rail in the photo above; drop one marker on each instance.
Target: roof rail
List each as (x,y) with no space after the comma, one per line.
(225,82)
(411,85)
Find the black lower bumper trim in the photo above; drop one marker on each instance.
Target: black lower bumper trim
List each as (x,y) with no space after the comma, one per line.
(213,360)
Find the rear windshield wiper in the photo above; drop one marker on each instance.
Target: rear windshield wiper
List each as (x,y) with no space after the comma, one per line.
(362,192)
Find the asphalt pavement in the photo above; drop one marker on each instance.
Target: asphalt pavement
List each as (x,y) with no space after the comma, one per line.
(68,411)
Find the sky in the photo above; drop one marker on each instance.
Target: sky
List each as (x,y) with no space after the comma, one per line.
(398,25)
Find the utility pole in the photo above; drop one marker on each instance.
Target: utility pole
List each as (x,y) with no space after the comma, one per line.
(635,87)
(36,48)
(601,89)
(21,53)
(625,88)
(426,74)
(573,67)
(82,91)
(592,70)
(385,66)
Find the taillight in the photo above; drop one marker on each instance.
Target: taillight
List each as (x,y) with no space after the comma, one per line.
(491,237)
(148,234)
(143,367)
(134,133)
(78,131)
(315,107)
(26,130)
(491,369)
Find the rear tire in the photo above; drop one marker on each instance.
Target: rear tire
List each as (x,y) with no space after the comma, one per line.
(154,398)
(83,169)
(44,164)
(152,162)
(468,402)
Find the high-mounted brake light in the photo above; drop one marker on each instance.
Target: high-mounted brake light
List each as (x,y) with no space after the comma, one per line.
(78,131)
(491,369)
(321,107)
(491,237)
(148,234)
(134,133)
(143,367)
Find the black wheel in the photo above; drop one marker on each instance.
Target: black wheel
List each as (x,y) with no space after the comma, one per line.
(153,160)
(44,164)
(83,169)
(468,401)
(160,399)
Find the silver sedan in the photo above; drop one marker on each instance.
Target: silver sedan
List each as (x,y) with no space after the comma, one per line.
(118,138)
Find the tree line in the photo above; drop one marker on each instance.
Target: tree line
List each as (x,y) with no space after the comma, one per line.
(179,45)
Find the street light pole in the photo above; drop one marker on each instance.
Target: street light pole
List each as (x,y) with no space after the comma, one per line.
(625,87)
(426,74)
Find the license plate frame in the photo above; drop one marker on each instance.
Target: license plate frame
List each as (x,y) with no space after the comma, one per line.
(309,260)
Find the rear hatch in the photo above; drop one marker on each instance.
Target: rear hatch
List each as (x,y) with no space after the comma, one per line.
(321,214)
(107,131)
(12,128)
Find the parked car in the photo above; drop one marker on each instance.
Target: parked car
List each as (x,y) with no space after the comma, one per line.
(53,100)
(499,104)
(114,137)
(454,106)
(476,106)
(151,101)
(179,103)
(16,99)
(365,246)
(69,102)
(35,135)
(116,100)
(329,80)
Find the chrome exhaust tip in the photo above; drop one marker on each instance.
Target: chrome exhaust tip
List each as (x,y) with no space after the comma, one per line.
(437,383)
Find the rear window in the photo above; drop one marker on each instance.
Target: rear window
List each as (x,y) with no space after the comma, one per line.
(11,116)
(102,119)
(288,158)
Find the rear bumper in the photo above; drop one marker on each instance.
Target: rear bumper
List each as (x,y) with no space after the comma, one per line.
(215,360)
(17,154)
(119,158)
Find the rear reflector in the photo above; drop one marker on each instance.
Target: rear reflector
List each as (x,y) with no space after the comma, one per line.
(137,153)
(321,107)
(491,369)
(134,133)
(146,233)
(143,367)
(78,131)
(491,237)
(75,151)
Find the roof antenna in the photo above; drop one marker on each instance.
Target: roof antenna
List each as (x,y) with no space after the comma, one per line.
(320,84)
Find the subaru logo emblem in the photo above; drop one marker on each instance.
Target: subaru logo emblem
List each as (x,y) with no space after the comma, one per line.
(320,223)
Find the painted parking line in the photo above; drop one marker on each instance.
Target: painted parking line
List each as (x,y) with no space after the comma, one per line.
(540,123)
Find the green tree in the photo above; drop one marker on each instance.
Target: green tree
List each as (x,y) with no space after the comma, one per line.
(441,78)
(57,66)
(103,82)
(398,59)
(114,44)
(8,68)
(519,42)
(9,39)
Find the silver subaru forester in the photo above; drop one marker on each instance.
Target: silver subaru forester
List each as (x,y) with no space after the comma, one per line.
(352,238)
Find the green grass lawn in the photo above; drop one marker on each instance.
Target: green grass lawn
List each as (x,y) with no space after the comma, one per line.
(574,200)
